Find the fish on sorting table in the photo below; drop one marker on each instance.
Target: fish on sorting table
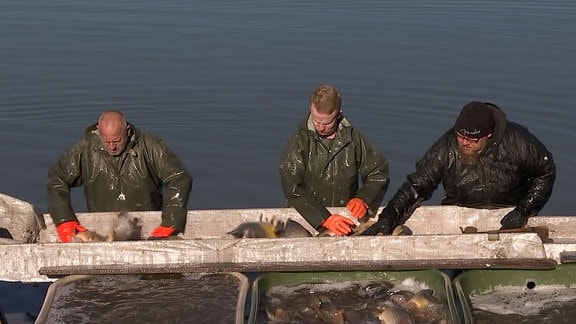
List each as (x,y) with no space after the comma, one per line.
(398,230)
(272,229)
(292,228)
(124,228)
(402,230)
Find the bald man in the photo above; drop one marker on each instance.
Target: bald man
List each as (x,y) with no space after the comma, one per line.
(121,169)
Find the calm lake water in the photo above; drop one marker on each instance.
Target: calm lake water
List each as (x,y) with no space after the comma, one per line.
(225,83)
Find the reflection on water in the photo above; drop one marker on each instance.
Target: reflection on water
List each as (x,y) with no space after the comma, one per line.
(190,298)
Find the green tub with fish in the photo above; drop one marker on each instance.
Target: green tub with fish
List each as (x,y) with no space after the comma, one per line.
(534,296)
(147,298)
(411,296)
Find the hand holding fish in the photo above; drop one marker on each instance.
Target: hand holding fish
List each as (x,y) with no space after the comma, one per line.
(67,230)
(338,224)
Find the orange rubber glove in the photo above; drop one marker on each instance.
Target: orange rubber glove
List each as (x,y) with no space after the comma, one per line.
(67,230)
(161,232)
(357,207)
(338,224)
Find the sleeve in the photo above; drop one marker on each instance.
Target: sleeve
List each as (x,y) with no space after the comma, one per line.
(176,182)
(421,184)
(292,170)
(63,175)
(374,175)
(541,171)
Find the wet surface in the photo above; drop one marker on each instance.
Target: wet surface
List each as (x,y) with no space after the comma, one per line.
(546,304)
(191,298)
(408,301)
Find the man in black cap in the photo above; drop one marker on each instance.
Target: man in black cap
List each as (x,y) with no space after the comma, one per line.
(484,161)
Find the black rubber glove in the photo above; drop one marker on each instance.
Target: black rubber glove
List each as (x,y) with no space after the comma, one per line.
(384,225)
(513,219)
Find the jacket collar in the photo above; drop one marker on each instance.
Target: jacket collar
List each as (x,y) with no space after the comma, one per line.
(344,132)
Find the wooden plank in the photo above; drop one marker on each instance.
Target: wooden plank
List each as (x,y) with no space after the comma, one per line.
(23,261)
(555,251)
(437,242)
(374,265)
(568,257)
(542,231)
(562,229)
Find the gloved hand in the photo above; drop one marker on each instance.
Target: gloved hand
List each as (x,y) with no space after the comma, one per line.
(385,223)
(338,224)
(161,232)
(513,219)
(67,230)
(357,207)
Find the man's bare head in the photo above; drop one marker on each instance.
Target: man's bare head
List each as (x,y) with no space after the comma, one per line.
(114,131)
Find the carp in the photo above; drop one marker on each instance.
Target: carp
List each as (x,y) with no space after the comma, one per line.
(124,228)
(270,229)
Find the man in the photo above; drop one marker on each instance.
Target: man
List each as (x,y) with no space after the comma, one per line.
(323,163)
(121,169)
(484,161)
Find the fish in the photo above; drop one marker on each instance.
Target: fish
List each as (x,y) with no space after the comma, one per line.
(422,299)
(395,315)
(88,236)
(398,230)
(320,309)
(255,230)
(426,307)
(401,297)
(271,229)
(124,228)
(292,228)
(402,230)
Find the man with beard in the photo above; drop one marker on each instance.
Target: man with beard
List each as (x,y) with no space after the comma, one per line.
(484,161)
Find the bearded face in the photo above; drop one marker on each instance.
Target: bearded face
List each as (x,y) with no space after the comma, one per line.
(468,157)
(469,149)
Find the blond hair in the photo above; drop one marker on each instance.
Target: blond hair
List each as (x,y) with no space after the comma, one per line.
(326,99)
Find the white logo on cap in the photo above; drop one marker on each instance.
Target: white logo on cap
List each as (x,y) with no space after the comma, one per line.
(466,132)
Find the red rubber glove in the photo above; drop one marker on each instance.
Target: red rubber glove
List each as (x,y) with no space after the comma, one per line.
(338,224)
(67,230)
(357,207)
(161,232)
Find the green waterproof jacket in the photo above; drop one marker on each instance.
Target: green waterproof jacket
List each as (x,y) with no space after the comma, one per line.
(146,176)
(319,173)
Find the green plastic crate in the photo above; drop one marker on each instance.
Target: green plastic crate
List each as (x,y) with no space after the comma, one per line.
(434,279)
(487,281)
(163,298)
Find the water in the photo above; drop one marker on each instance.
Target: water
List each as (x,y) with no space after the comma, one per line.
(192,298)
(225,83)
(354,302)
(545,304)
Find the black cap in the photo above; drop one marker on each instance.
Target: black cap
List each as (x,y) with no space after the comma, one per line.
(475,121)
